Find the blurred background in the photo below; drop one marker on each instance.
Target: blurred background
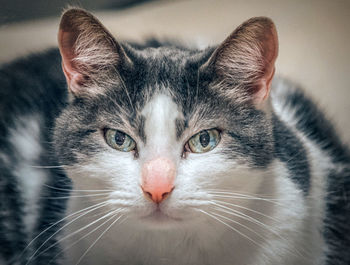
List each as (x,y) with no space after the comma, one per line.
(314,35)
(21,10)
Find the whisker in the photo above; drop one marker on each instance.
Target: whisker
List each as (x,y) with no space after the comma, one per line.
(56,223)
(247,198)
(229,226)
(73,190)
(81,238)
(104,198)
(105,212)
(242,193)
(248,209)
(257,222)
(236,222)
(242,215)
(55,233)
(114,213)
(125,89)
(77,196)
(97,239)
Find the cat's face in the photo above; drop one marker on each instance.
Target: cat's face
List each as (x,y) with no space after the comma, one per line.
(159,130)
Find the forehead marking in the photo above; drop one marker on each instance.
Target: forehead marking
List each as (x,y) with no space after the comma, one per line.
(160,115)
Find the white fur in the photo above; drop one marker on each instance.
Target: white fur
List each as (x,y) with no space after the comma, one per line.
(320,166)
(184,235)
(160,114)
(25,138)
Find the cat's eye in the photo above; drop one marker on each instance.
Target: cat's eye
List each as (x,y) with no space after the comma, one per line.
(204,141)
(119,140)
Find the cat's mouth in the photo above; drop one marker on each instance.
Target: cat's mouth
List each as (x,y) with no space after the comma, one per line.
(158,216)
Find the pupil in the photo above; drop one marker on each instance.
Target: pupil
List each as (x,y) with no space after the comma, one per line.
(204,138)
(119,138)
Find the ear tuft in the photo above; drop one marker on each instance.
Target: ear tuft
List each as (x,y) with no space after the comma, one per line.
(244,63)
(88,50)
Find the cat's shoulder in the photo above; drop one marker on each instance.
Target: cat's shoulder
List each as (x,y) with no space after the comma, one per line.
(300,111)
(304,117)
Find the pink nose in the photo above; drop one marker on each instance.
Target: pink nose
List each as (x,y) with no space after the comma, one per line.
(158,179)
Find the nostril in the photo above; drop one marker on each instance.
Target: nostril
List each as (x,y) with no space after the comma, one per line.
(148,194)
(166,194)
(156,196)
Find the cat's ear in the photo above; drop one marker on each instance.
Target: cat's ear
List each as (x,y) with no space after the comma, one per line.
(89,52)
(244,64)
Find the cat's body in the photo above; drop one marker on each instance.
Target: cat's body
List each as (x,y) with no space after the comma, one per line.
(274,189)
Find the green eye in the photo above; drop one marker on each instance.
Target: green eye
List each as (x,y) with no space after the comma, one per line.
(119,140)
(204,141)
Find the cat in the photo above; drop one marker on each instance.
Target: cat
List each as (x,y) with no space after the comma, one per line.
(160,154)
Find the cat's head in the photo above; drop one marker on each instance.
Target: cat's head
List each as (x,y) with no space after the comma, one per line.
(165,130)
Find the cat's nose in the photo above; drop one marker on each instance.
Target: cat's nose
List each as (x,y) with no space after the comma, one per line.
(158,179)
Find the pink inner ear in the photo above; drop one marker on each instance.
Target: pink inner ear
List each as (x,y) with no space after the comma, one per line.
(66,42)
(88,51)
(245,61)
(270,47)
(264,87)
